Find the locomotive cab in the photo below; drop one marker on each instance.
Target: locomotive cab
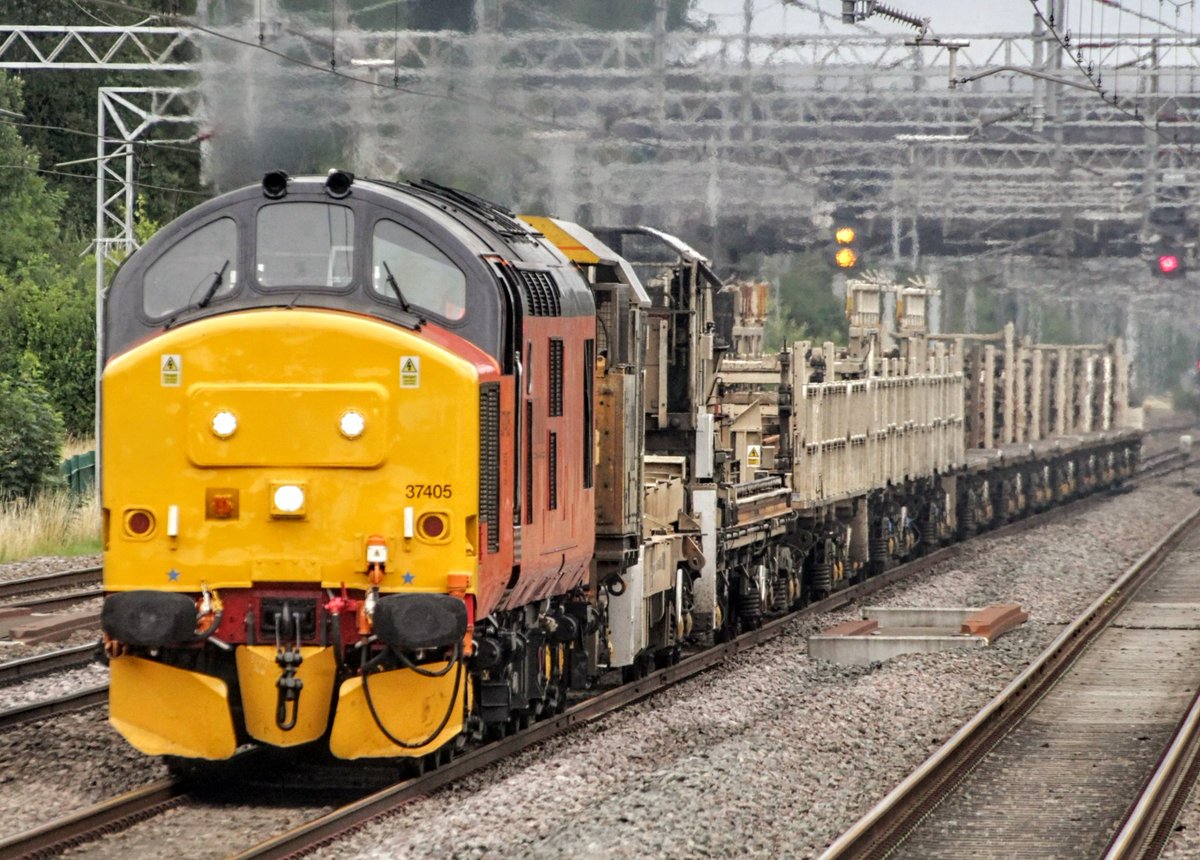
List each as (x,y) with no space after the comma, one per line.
(317,456)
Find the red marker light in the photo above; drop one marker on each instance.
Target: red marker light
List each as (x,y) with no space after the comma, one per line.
(1168,263)
(139,523)
(432,527)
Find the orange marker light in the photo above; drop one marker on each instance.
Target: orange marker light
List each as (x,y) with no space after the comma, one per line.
(221,503)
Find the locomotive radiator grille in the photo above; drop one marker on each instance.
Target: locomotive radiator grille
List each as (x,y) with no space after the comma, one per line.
(556,377)
(552,468)
(541,294)
(489,462)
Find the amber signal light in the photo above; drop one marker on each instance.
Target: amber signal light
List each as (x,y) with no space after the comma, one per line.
(221,503)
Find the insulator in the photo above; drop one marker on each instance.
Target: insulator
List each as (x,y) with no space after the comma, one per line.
(897,15)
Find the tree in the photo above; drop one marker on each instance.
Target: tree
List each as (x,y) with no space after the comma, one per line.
(28,209)
(60,112)
(807,308)
(47,317)
(30,436)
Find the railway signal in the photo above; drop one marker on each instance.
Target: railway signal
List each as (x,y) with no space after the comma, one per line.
(1168,262)
(845,249)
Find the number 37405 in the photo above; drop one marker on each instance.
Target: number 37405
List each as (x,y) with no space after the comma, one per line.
(428,491)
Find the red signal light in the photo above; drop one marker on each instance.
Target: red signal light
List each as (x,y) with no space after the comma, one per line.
(1168,264)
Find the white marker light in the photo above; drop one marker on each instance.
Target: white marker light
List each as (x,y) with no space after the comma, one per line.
(224,424)
(173,521)
(289,498)
(352,424)
(408,522)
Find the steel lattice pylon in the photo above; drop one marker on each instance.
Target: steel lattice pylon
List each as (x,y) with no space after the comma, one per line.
(136,48)
(749,129)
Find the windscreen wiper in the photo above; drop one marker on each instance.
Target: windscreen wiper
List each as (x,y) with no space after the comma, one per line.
(214,286)
(391,279)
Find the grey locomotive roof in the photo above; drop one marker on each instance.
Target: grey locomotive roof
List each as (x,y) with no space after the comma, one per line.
(463,227)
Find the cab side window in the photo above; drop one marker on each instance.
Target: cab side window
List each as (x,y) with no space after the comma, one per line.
(205,260)
(405,263)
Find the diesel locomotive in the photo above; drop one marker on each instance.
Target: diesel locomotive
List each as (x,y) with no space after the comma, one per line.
(386,467)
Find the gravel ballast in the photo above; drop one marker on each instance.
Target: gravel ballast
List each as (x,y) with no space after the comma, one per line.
(47,564)
(771,754)
(774,754)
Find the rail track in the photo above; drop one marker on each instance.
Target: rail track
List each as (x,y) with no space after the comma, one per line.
(119,813)
(86,579)
(122,812)
(111,816)
(1148,824)
(43,664)
(84,576)
(1048,767)
(1162,463)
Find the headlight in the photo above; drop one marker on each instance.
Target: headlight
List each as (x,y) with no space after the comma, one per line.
(224,424)
(289,499)
(352,424)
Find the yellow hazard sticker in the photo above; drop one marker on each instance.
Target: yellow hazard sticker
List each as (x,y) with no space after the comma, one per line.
(171,373)
(410,371)
(754,455)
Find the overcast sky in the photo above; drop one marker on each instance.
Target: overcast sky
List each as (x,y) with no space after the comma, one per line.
(947,16)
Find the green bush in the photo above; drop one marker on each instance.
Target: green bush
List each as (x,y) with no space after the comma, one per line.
(31,435)
(48,314)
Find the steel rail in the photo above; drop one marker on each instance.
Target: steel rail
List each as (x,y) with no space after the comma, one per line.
(1151,818)
(1153,461)
(89,697)
(108,817)
(58,601)
(885,825)
(50,581)
(41,664)
(324,830)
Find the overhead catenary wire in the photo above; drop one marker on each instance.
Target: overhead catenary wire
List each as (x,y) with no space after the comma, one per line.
(1095,78)
(157,144)
(91,177)
(1142,15)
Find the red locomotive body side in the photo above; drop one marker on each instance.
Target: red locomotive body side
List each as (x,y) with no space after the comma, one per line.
(557,528)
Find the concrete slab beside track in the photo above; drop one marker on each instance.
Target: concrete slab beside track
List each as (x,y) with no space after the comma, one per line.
(1058,783)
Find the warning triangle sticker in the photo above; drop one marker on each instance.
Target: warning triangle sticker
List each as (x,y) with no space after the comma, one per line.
(170,364)
(409,366)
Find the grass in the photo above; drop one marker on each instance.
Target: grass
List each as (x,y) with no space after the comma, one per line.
(73,445)
(54,523)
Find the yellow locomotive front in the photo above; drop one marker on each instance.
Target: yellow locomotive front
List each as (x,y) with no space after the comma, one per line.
(294,400)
